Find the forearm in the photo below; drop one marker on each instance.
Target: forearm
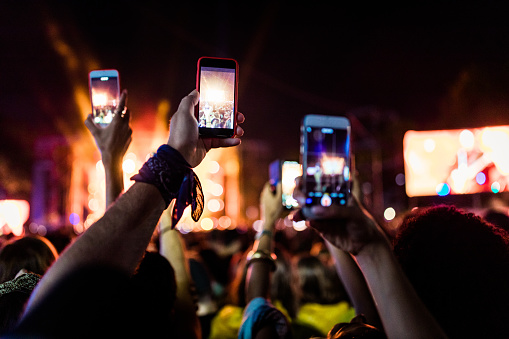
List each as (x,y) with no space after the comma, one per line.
(117,240)
(400,308)
(258,274)
(114,180)
(185,307)
(355,284)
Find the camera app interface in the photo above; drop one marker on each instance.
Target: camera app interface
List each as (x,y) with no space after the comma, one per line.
(104,98)
(217,95)
(327,171)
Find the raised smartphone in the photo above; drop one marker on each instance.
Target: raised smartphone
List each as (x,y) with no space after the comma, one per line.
(325,157)
(217,82)
(285,172)
(104,93)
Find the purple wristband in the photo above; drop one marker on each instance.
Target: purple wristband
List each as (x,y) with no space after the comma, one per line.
(174,178)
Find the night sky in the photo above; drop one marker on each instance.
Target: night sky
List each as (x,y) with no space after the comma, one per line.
(390,67)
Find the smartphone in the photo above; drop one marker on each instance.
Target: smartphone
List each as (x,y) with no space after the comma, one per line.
(325,157)
(285,172)
(104,94)
(217,82)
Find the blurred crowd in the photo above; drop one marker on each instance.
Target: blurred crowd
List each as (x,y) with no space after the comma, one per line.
(443,272)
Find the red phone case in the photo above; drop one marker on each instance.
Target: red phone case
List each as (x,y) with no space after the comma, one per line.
(236,87)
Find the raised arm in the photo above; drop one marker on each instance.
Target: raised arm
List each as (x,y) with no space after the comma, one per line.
(113,141)
(121,236)
(259,271)
(352,229)
(355,284)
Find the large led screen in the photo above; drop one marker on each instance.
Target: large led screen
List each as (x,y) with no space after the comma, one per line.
(461,161)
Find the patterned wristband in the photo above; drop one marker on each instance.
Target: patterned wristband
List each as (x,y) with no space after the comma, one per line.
(174,178)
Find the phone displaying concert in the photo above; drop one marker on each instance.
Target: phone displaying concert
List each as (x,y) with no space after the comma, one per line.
(327,170)
(217,97)
(105,93)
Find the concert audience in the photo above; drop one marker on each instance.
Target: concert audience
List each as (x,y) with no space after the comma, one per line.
(90,276)
(444,269)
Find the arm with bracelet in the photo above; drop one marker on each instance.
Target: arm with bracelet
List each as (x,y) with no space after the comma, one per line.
(261,319)
(118,240)
(113,141)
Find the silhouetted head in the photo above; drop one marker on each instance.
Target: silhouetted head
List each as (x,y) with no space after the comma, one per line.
(33,253)
(459,266)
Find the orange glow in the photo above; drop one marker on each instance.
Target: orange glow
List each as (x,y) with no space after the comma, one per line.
(13,215)
(464,161)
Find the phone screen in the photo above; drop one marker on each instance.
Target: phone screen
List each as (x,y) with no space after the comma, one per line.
(290,171)
(217,87)
(104,92)
(327,171)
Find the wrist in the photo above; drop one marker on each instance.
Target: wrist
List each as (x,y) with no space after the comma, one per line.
(373,253)
(110,160)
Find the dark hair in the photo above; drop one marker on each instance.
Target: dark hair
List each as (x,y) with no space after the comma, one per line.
(459,267)
(282,286)
(498,219)
(315,283)
(33,253)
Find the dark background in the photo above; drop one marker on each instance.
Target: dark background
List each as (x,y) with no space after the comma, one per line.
(389,67)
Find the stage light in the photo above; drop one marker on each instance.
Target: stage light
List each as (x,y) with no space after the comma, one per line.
(443,189)
(480,178)
(389,213)
(299,225)
(207,224)
(13,214)
(495,187)
(216,190)
(224,222)
(258,226)
(467,139)
(400,179)
(215,205)
(74,219)
(213,167)
(129,166)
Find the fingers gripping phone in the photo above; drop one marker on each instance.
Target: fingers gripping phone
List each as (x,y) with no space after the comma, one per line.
(285,172)
(325,153)
(217,82)
(104,93)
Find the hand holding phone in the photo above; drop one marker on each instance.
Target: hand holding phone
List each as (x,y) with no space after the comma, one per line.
(105,94)
(325,153)
(217,83)
(184,135)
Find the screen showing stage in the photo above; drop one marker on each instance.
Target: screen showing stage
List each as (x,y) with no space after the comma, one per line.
(463,161)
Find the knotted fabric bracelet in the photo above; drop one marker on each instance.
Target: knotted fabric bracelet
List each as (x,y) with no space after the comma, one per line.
(174,178)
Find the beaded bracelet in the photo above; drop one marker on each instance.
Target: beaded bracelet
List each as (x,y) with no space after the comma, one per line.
(174,178)
(262,255)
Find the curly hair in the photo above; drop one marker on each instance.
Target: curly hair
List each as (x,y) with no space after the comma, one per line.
(459,265)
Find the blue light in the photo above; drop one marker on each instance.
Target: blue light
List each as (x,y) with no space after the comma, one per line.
(327,130)
(443,189)
(495,187)
(480,178)
(74,219)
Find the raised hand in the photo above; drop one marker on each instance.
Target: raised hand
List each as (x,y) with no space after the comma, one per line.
(184,136)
